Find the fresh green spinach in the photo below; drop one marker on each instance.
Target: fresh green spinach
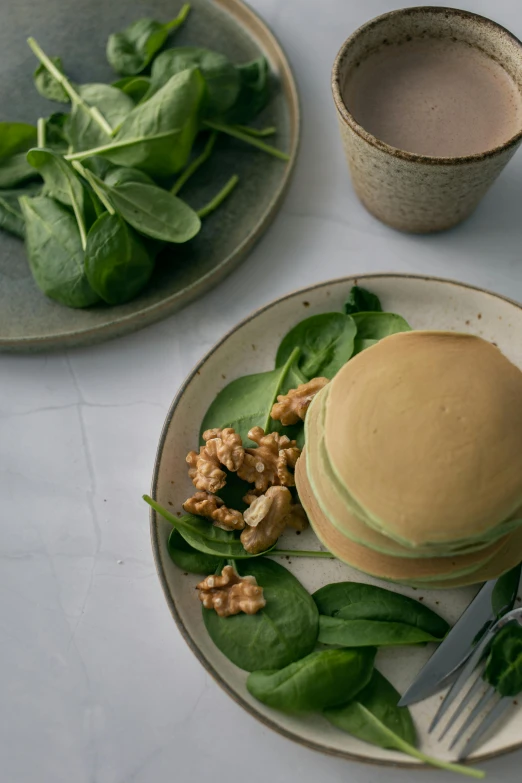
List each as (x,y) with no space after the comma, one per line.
(157,136)
(153,211)
(15,137)
(122,174)
(189,559)
(221,76)
(63,184)
(247,401)
(504,665)
(372,327)
(117,263)
(203,536)
(11,218)
(325,342)
(361,301)
(130,51)
(254,92)
(55,252)
(47,85)
(358,601)
(280,633)
(319,680)
(370,633)
(56,132)
(136,87)
(374,717)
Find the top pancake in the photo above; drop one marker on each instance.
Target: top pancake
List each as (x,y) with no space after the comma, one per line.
(425,431)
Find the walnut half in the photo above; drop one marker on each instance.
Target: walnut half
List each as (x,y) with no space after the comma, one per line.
(230,593)
(203,504)
(268,516)
(292,407)
(222,447)
(269,464)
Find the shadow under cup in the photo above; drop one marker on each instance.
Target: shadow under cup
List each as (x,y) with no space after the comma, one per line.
(417,192)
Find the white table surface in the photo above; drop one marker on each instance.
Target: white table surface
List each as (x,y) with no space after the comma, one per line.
(96,683)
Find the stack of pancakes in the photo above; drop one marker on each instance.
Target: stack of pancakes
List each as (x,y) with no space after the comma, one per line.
(412,470)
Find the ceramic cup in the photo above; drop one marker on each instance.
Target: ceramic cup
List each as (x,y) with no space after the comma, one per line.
(411,192)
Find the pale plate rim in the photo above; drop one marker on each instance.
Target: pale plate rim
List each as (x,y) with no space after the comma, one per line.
(207,664)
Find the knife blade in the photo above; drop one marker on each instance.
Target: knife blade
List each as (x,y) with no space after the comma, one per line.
(492,601)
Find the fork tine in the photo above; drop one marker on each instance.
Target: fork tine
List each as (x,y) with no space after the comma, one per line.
(459,683)
(475,688)
(475,712)
(492,716)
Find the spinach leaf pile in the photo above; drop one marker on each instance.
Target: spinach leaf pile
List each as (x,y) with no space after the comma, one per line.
(113,164)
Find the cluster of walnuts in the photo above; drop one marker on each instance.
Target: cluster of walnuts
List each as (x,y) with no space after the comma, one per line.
(269,469)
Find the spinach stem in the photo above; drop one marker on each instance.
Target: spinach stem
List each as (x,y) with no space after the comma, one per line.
(179,19)
(219,197)
(67,86)
(115,145)
(257,133)
(91,179)
(196,163)
(434,762)
(301,553)
(40,132)
(80,221)
(232,130)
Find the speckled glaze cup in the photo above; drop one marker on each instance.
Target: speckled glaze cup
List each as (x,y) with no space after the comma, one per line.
(411,192)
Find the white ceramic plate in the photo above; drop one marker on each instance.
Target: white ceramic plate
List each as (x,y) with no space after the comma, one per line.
(427,303)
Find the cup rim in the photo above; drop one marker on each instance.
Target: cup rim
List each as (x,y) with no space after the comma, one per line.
(350,120)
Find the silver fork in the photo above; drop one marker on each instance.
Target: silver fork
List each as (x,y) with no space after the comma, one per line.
(476,663)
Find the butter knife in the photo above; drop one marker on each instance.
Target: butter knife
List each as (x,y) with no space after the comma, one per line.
(494,599)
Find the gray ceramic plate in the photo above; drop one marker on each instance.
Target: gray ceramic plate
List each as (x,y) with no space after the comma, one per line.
(426,303)
(78,30)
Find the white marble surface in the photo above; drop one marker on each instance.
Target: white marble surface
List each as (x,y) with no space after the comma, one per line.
(96,683)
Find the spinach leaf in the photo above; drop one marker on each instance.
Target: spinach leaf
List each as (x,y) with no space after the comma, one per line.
(189,559)
(221,76)
(153,211)
(254,92)
(247,401)
(325,342)
(55,252)
(117,263)
(372,327)
(56,132)
(361,301)
(374,717)
(100,167)
(370,633)
(358,601)
(11,218)
(122,174)
(504,665)
(62,184)
(130,51)
(282,632)
(47,85)
(505,592)
(321,679)
(15,171)
(136,87)
(157,135)
(114,105)
(204,536)
(15,137)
